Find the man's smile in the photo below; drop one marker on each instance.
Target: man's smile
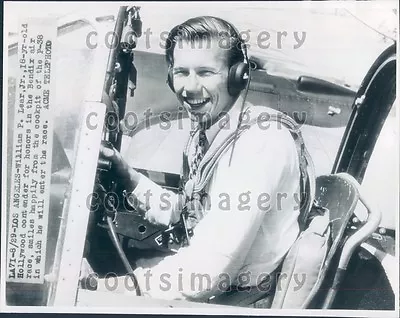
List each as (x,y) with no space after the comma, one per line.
(196,102)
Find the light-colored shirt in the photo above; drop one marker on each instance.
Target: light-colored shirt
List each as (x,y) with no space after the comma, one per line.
(251,222)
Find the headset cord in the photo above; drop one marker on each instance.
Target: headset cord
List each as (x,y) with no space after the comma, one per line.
(114,238)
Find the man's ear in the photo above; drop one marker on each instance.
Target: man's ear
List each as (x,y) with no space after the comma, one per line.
(170,79)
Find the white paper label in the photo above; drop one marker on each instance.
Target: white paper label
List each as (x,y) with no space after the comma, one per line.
(32,152)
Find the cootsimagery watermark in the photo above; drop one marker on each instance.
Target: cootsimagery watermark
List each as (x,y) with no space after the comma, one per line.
(197,281)
(244,201)
(165,119)
(263,39)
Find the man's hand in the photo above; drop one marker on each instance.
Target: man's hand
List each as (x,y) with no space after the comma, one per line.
(195,213)
(128,178)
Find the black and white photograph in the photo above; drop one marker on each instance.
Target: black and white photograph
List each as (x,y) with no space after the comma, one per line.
(200,158)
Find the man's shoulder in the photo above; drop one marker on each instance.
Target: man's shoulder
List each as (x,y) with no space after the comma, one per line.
(263,142)
(265,123)
(260,113)
(263,138)
(261,133)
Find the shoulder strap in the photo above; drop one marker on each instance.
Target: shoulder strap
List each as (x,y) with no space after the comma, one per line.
(307,180)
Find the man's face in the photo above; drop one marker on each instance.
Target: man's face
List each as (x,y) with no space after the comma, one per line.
(200,74)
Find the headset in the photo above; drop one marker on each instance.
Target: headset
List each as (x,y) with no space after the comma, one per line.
(239,73)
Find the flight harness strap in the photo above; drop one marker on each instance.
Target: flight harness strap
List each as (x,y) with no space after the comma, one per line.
(210,160)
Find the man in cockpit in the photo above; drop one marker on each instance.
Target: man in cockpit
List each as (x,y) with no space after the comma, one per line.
(233,244)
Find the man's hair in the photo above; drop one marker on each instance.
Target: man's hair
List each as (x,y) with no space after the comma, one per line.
(207,28)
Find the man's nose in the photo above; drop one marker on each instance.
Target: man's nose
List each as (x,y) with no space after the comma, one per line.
(192,83)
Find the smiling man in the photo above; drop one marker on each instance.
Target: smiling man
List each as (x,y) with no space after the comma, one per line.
(199,76)
(235,246)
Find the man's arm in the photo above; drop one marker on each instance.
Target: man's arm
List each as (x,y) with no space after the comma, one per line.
(225,235)
(161,206)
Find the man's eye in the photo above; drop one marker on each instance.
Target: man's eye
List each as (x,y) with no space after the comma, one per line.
(206,73)
(180,73)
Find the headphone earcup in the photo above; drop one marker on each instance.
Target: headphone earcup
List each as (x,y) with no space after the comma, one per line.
(170,80)
(237,78)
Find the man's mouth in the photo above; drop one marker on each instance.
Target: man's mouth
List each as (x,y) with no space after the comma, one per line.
(196,102)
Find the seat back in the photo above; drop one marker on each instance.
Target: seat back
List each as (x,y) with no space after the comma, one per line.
(307,262)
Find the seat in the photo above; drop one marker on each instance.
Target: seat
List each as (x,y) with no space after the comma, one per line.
(320,255)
